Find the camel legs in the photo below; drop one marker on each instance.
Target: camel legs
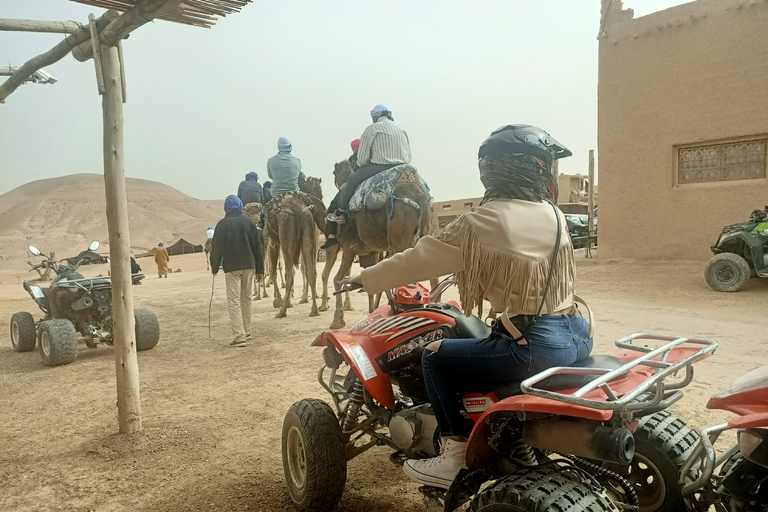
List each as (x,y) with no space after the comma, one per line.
(347,259)
(207,261)
(309,263)
(274,253)
(330,261)
(305,283)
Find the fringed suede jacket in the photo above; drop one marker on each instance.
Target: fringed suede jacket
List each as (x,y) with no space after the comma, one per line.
(501,251)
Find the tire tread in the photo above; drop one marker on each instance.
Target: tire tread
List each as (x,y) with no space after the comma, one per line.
(27,331)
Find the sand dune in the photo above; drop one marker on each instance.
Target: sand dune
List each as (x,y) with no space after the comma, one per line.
(64,214)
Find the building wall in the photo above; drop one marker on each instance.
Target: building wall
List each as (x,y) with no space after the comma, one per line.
(695,73)
(447,211)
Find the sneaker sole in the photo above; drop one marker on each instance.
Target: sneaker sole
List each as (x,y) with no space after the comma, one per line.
(421,478)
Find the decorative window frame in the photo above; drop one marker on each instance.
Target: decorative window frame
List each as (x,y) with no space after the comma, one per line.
(719,143)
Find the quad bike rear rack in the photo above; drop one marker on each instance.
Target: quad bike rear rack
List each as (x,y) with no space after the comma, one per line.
(631,400)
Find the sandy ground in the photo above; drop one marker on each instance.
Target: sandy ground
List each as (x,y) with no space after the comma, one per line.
(212,414)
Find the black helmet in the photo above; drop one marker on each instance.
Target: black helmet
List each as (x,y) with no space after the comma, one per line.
(524,139)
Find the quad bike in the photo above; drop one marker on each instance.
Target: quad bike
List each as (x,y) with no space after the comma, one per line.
(741,252)
(591,437)
(741,485)
(74,307)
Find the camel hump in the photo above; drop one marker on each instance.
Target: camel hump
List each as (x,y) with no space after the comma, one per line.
(374,193)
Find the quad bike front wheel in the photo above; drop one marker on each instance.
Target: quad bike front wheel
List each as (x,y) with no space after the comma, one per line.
(314,462)
(662,445)
(727,272)
(58,342)
(23,335)
(147,329)
(540,490)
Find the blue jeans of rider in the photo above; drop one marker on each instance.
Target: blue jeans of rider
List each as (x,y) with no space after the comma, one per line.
(555,340)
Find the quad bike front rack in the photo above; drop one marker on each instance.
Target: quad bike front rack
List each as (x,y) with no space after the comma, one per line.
(698,469)
(632,400)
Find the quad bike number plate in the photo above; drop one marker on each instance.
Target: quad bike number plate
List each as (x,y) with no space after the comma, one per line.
(36,292)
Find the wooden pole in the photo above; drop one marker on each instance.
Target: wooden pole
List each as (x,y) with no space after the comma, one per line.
(591,198)
(57,27)
(8,70)
(53,55)
(126,364)
(556,174)
(96,53)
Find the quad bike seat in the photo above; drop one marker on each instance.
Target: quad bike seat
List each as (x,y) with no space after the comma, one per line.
(471,327)
(561,382)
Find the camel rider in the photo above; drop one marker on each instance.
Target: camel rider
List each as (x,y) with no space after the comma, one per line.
(331,227)
(284,169)
(250,190)
(514,250)
(266,192)
(383,145)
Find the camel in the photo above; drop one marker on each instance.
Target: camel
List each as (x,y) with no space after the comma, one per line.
(392,229)
(207,251)
(290,229)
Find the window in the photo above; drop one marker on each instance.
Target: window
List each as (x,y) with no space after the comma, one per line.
(468,205)
(742,160)
(446,207)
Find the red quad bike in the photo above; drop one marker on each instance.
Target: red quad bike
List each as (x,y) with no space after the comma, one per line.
(741,485)
(591,437)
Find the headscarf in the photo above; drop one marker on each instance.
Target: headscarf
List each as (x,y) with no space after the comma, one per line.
(252,176)
(160,244)
(284,145)
(267,185)
(355,145)
(233,204)
(517,176)
(379,111)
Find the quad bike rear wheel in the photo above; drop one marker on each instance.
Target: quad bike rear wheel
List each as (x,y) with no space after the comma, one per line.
(662,445)
(147,329)
(314,462)
(540,490)
(727,272)
(58,342)
(23,335)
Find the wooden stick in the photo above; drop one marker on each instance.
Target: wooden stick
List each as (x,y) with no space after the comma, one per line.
(96,52)
(142,12)
(591,199)
(58,27)
(53,55)
(556,174)
(126,364)
(122,70)
(8,70)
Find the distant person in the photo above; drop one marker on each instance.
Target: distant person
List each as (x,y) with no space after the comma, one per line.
(266,192)
(236,246)
(210,231)
(284,169)
(162,258)
(135,267)
(332,227)
(383,145)
(250,190)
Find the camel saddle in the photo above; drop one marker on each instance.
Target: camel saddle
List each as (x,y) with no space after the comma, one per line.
(375,192)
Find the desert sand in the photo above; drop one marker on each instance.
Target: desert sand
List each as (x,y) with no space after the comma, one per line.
(212,414)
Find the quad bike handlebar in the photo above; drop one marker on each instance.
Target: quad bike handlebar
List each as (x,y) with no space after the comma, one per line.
(654,358)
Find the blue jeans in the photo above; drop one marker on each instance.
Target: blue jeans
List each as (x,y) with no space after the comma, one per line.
(555,340)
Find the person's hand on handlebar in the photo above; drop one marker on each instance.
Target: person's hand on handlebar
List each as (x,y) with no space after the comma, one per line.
(351,283)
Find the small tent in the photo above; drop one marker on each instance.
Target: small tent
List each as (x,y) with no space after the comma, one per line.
(183,247)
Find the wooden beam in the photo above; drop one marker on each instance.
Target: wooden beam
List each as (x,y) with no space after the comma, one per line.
(591,199)
(96,53)
(142,12)
(8,70)
(57,27)
(126,363)
(122,70)
(556,174)
(55,54)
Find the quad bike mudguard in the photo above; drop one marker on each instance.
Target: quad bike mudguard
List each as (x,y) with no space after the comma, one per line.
(728,242)
(39,295)
(359,353)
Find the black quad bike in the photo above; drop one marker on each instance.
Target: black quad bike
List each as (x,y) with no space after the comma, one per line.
(75,308)
(740,253)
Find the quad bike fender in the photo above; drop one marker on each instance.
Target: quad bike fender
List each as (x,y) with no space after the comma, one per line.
(359,353)
(727,241)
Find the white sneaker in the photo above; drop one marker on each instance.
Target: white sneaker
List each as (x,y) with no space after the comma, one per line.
(438,471)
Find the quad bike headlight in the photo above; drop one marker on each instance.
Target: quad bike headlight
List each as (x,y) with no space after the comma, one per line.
(753,444)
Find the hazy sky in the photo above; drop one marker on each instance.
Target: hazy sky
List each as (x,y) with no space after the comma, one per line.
(207,106)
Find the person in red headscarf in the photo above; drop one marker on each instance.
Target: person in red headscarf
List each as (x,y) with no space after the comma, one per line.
(331,227)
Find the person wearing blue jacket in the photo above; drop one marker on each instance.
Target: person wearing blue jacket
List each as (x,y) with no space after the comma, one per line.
(236,246)
(250,190)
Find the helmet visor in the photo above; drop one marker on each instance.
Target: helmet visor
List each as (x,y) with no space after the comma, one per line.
(537,137)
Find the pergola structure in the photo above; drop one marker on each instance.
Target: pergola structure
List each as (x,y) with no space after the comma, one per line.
(100,39)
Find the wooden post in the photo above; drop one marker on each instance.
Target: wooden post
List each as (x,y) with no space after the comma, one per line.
(96,53)
(126,364)
(591,200)
(59,27)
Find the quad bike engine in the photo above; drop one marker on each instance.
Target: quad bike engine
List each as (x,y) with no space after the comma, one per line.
(415,429)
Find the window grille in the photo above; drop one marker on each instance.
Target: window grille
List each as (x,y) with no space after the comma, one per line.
(722,162)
